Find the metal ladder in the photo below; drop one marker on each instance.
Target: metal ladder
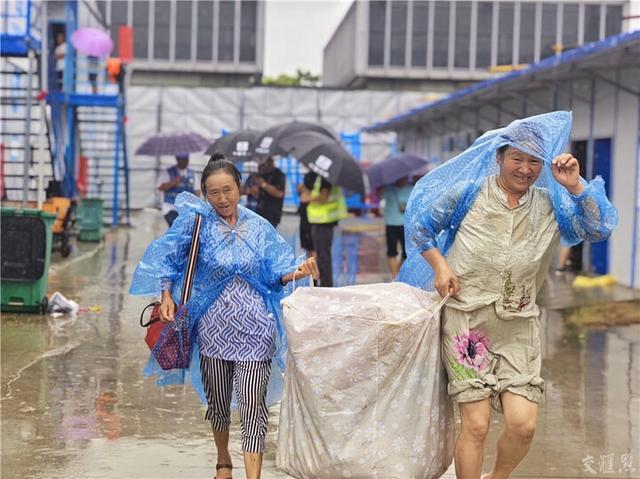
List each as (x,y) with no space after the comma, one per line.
(102,145)
(14,91)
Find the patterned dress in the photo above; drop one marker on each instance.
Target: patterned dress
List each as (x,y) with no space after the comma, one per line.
(490,332)
(238,326)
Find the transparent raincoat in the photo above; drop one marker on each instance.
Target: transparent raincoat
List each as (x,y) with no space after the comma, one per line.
(440,201)
(252,251)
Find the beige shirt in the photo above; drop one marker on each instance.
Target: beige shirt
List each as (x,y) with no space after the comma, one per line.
(502,255)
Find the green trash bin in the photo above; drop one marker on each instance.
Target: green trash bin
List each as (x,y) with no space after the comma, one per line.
(26,255)
(89,219)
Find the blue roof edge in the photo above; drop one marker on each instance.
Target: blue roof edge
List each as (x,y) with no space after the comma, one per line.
(566,57)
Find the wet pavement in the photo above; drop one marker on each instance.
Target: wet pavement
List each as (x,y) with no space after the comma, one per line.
(75,405)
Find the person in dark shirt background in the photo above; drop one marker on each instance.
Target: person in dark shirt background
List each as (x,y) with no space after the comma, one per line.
(304,190)
(251,188)
(272,183)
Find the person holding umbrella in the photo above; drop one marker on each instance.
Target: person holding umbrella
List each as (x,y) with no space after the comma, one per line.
(95,44)
(179,177)
(251,189)
(389,178)
(93,67)
(271,182)
(395,198)
(304,191)
(172,182)
(326,207)
(335,168)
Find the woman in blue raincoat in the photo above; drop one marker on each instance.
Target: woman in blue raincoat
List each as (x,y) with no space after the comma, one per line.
(234,313)
(483,228)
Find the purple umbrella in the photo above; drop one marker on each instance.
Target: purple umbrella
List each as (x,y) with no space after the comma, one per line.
(92,42)
(172,144)
(395,168)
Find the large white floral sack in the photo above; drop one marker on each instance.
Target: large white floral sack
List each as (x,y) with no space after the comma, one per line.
(365,392)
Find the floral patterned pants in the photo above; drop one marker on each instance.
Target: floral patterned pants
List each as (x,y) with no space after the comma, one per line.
(485,355)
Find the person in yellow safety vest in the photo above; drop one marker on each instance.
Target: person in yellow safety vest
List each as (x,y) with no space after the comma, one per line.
(326,207)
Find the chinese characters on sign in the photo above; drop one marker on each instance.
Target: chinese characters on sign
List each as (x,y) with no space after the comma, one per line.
(607,464)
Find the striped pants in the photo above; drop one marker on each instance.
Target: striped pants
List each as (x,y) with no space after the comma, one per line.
(249,379)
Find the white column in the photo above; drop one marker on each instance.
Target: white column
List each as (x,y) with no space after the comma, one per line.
(236,32)
(129,13)
(537,33)
(452,36)
(581,24)
(409,37)
(603,21)
(194,30)
(473,37)
(152,28)
(172,31)
(260,12)
(107,12)
(216,31)
(387,33)
(559,22)
(432,11)
(495,22)
(44,57)
(515,54)
(362,39)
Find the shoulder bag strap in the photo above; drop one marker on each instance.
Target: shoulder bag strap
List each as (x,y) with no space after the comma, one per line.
(191,263)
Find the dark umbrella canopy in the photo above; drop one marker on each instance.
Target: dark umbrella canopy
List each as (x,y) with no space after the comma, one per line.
(236,146)
(327,158)
(173,144)
(395,168)
(269,142)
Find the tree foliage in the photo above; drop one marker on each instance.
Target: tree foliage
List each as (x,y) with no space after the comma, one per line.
(301,78)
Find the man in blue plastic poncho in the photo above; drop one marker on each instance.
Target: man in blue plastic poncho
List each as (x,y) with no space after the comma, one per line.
(483,228)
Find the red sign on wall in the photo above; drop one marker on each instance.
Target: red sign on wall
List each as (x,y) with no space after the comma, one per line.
(125,43)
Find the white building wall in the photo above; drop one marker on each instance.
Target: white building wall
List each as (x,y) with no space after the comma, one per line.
(339,58)
(625,188)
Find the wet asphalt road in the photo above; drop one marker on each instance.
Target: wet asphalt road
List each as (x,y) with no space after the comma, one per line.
(75,405)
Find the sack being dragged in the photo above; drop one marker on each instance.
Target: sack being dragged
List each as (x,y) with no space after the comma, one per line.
(365,391)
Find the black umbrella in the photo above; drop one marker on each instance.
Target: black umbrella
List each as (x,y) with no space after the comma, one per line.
(395,168)
(236,146)
(269,142)
(326,157)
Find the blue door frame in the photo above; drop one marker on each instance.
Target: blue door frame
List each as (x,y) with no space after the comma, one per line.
(602,167)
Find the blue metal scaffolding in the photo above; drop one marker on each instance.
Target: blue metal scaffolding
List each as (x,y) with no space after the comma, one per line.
(88,122)
(93,128)
(18,33)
